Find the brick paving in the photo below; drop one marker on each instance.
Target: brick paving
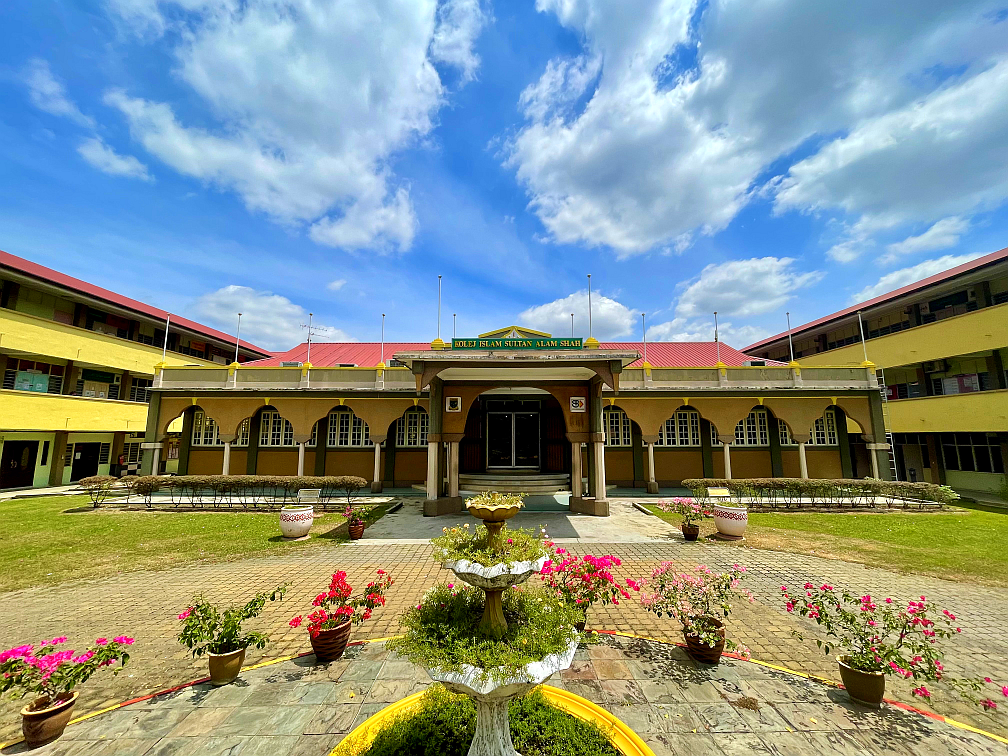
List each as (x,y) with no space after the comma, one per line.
(145,605)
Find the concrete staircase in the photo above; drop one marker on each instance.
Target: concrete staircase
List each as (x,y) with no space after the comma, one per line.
(534,484)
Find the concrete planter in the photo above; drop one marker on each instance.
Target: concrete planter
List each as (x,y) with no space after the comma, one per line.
(295,522)
(730,521)
(867,688)
(225,668)
(43,721)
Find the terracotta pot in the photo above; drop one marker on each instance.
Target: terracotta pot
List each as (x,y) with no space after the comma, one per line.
(730,521)
(690,532)
(356,531)
(225,668)
(866,688)
(699,650)
(42,721)
(329,645)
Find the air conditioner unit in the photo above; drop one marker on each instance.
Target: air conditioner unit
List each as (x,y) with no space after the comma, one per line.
(755,363)
(290,364)
(935,366)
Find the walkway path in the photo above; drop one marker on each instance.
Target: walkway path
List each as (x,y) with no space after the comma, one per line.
(145,604)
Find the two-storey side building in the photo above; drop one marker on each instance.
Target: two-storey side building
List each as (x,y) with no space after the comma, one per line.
(77,362)
(941,346)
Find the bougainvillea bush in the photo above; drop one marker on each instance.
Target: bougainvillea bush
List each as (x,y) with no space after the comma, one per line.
(337,605)
(690,598)
(50,671)
(689,509)
(585,581)
(208,629)
(882,635)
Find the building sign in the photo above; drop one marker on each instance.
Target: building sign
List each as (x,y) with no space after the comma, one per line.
(453,404)
(523,344)
(578,404)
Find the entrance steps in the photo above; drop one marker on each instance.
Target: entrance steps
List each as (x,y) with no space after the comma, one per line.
(527,483)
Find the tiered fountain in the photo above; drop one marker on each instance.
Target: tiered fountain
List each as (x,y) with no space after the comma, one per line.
(492,692)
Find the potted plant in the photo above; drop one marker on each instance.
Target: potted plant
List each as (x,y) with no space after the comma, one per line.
(881,637)
(691,512)
(50,673)
(355,521)
(585,581)
(217,633)
(730,521)
(700,601)
(335,611)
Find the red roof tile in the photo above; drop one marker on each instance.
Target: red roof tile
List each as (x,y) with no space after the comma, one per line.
(980,262)
(56,278)
(367,354)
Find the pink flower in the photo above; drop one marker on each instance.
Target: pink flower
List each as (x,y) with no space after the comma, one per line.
(101,641)
(988,704)
(922,692)
(1004,690)
(124,640)
(987,679)
(185,614)
(296,622)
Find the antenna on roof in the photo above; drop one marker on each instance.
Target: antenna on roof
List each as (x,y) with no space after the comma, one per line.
(790,343)
(439,308)
(164,350)
(237,337)
(383,338)
(718,343)
(589,307)
(453,325)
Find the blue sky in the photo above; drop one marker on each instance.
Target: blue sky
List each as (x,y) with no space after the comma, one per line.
(287,156)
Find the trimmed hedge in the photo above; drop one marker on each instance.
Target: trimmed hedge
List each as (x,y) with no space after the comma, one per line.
(775,493)
(247,489)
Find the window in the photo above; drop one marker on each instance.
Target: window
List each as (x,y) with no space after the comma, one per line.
(682,429)
(275,431)
(28,375)
(103,453)
(824,432)
(346,429)
(617,427)
(205,431)
(68,455)
(139,390)
(411,430)
(132,453)
(972,452)
(752,431)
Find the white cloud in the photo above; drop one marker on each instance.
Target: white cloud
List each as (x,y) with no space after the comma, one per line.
(900,278)
(270,320)
(668,120)
(336,285)
(307,102)
(48,93)
(107,160)
(741,289)
(611,320)
(942,235)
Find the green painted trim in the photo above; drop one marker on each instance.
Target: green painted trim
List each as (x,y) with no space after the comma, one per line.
(705,449)
(185,442)
(150,435)
(776,460)
(252,453)
(843,441)
(321,435)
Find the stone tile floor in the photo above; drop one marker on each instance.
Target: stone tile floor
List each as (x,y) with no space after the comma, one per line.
(297,708)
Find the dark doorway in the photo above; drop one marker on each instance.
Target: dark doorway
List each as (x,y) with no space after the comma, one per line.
(85,461)
(17,466)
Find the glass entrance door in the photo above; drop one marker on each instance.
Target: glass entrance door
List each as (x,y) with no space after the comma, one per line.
(513,440)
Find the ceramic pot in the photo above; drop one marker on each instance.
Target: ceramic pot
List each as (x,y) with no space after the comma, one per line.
(730,521)
(43,721)
(690,532)
(866,688)
(225,668)
(329,645)
(699,650)
(295,522)
(356,531)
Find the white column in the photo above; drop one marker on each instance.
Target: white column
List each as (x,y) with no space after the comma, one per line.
(873,453)
(600,487)
(453,468)
(157,461)
(576,490)
(727,460)
(802,463)
(432,470)
(376,480)
(652,482)
(226,469)
(301,446)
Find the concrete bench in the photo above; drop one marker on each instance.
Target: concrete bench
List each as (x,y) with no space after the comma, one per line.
(308,495)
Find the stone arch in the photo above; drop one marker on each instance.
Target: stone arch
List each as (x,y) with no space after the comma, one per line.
(650,414)
(380,413)
(724,413)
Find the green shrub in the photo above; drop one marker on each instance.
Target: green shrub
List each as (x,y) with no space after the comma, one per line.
(98,487)
(445,724)
(459,542)
(790,491)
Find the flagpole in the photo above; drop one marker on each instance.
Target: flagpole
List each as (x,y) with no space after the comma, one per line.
(589,307)
(237,337)
(716,338)
(164,350)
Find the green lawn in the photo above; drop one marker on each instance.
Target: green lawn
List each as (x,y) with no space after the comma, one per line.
(969,544)
(46,540)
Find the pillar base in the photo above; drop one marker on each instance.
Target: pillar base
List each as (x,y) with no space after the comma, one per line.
(595,507)
(376,486)
(652,487)
(442,506)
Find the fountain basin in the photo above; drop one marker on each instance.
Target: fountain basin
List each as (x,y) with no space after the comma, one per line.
(497,576)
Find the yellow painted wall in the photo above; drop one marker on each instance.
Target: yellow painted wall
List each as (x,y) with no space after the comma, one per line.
(673,465)
(619,465)
(360,463)
(277,461)
(824,463)
(33,335)
(976,331)
(410,466)
(977,412)
(27,410)
(750,463)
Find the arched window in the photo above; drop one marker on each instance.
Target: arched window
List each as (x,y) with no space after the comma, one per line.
(411,430)
(617,427)
(275,430)
(824,432)
(206,432)
(346,429)
(682,429)
(752,430)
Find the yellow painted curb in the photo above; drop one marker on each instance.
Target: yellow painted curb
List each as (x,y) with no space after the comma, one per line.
(620,735)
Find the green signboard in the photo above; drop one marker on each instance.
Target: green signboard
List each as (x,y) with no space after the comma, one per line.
(524,344)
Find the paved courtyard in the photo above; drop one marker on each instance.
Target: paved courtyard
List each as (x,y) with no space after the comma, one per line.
(145,605)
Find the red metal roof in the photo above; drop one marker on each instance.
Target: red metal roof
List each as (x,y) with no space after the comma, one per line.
(980,262)
(367,354)
(56,278)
